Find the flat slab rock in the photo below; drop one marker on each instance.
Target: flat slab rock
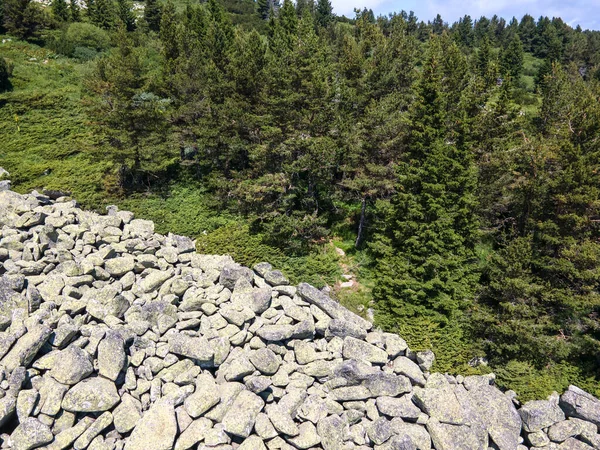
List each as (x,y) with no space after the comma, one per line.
(115,337)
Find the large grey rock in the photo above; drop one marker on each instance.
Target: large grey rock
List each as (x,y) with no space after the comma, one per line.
(417,433)
(127,413)
(140,228)
(406,367)
(452,437)
(156,429)
(231,273)
(111,356)
(275,332)
(539,414)
(313,296)
(26,347)
(331,429)
(343,328)
(307,436)
(117,267)
(282,421)
(154,279)
(402,407)
(193,434)
(198,348)
(499,415)
(363,351)
(73,365)
(578,403)
(265,361)
(91,395)
(252,443)
(387,384)
(439,401)
(239,420)
(29,434)
(207,395)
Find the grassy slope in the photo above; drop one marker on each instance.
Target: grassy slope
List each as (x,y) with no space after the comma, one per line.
(46,137)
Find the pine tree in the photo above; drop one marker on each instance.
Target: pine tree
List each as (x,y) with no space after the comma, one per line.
(22,18)
(262,9)
(152,13)
(542,289)
(324,13)
(104,14)
(464,31)
(527,30)
(511,59)
(60,10)
(169,38)
(74,11)
(437,26)
(126,14)
(133,118)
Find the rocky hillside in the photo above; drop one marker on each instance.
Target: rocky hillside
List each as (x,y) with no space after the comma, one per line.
(115,337)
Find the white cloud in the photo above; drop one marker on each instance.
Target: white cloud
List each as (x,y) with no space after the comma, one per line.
(346,7)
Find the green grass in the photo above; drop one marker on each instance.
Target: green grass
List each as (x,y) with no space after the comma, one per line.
(45,134)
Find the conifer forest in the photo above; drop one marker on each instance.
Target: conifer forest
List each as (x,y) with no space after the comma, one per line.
(441,177)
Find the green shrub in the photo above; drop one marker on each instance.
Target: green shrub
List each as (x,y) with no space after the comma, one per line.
(5,73)
(82,40)
(84,53)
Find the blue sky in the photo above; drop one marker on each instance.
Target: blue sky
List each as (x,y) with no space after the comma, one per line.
(583,12)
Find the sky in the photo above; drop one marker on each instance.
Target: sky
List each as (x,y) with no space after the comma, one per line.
(574,12)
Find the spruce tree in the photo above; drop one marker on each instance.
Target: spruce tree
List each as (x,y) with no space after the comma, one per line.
(425,251)
(126,14)
(152,13)
(324,13)
(262,8)
(60,10)
(511,58)
(74,11)
(104,14)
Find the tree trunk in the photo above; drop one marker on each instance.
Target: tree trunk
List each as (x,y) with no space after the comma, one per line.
(361,223)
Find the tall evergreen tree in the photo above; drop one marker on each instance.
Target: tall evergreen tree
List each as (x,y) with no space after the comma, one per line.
(74,11)
(104,14)
(324,13)
(511,58)
(424,253)
(60,10)
(152,13)
(125,14)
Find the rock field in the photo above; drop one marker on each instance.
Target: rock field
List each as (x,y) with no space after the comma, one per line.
(115,337)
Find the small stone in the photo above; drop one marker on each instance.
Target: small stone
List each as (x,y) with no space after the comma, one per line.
(265,361)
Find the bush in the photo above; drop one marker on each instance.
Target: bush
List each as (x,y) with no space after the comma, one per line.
(82,40)
(5,73)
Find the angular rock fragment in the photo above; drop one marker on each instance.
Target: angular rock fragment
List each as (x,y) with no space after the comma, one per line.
(95,394)
(156,429)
